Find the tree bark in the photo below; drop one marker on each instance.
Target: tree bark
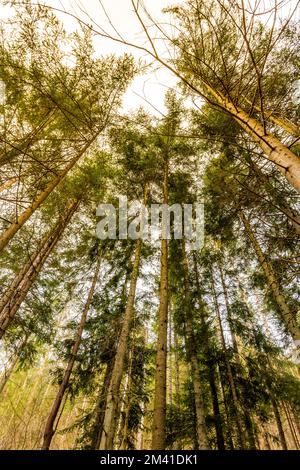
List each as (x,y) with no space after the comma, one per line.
(233,391)
(15,295)
(247,417)
(8,371)
(107,437)
(287,162)
(159,415)
(279,425)
(193,358)
(285,209)
(49,428)
(288,318)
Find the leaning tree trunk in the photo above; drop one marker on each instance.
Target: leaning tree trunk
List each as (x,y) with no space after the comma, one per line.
(159,414)
(289,320)
(27,141)
(282,205)
(191,346)
(286,161)
(49,428)
(15,295)
(274,117)
(26,214)
(107,437)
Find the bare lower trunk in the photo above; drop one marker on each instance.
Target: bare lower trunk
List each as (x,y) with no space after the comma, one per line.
(15,295)
(177,372)
(49,428)
(279,425)
(291,426)
(288,318)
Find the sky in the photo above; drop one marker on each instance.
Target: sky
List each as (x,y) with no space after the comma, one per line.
(148,89)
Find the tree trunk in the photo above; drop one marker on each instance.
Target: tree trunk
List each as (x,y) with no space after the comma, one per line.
(285,209)
(287,162)
(27,141)
(49,429)
(24,216)
(211,369)
(287,126)
(100,411)
(8,371)
(177,372)
(216,409)
(159,415)
(233,391)
(291,426)
(228,427)
(247,416)
(279,425)
(191,347)
(170,378)
(13,298)
(107,437)
(288,318)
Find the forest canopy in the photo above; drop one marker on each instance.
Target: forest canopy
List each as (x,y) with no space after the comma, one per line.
(122,341)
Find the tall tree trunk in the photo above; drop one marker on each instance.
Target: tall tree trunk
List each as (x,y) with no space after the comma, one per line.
(177,372)
(170,378)
(231,382)
(49,428)
(15,295)
(266,438)
(110,417)
(216,409)
(100,410)
(229,430)
(247,417)
(10,232)
(191,347)
(288,318)
(211,368)
(287,162)
(291,426)
(279,425)
(159,415)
